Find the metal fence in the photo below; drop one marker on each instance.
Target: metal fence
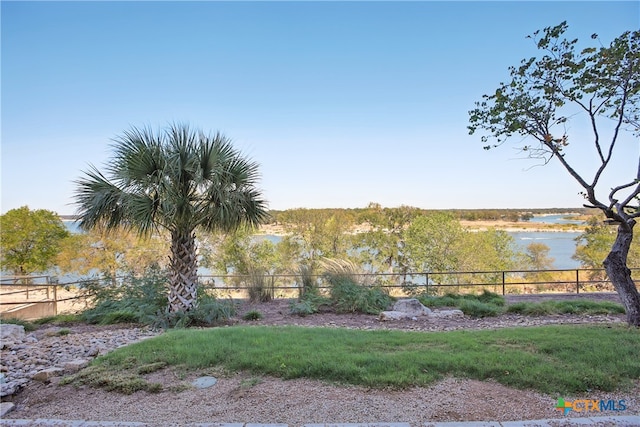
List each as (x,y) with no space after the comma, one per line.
(503,282)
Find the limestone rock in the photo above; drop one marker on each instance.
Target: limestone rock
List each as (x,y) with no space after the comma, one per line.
(5,408)
(447,313)
(92,352)
(75,365)
(47,374)
(394,315)
(412,307)
(204,382)
(7,389)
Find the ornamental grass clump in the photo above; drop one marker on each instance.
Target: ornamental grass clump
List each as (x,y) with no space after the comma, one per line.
(259,287)
(308,279)
(349,292)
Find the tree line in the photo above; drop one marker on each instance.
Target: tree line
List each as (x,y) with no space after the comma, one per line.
(359,215)
(376,239)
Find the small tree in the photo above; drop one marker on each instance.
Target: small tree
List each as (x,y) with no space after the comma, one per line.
(30,240)
(542,98)
(381,246)
(249,259)
(109,253)
(537,257)
(434,242)
(594,244)
(320,232)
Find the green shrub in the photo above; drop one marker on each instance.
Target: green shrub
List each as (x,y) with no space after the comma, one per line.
(475,308)
(120,316)
(455,300)
(133,300)
(529,309)
(209,312)
(59,320)
(566,307)
(310,303)
(252,315)
(589,307)
(484,305)
(144,300)
(489,297)
(449,300)
(350,297)
(302,308)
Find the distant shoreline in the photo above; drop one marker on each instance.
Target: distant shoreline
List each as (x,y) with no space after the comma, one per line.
(522,226)
(478,225)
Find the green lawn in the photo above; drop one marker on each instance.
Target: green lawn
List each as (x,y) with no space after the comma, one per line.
(551,359)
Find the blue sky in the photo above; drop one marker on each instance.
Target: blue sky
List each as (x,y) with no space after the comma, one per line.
(341,103)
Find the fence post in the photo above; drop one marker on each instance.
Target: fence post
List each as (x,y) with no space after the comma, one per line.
(503,287)
(426,282)
(577,281)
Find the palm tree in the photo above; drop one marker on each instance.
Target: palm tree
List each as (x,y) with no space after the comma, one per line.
(178,180)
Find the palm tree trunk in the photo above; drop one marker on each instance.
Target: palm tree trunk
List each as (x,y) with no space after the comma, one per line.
(184,271)
(616,266)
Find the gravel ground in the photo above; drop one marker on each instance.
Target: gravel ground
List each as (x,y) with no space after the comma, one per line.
(242,398)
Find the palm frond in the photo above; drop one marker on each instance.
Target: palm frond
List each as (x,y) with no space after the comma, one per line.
(100,202)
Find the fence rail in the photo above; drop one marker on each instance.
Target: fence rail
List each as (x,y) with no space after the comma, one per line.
(502,281)
(47,290)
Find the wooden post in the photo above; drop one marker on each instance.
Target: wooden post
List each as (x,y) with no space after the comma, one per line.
(55,299)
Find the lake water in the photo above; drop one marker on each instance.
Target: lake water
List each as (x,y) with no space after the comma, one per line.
(561,245)
(554,219)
